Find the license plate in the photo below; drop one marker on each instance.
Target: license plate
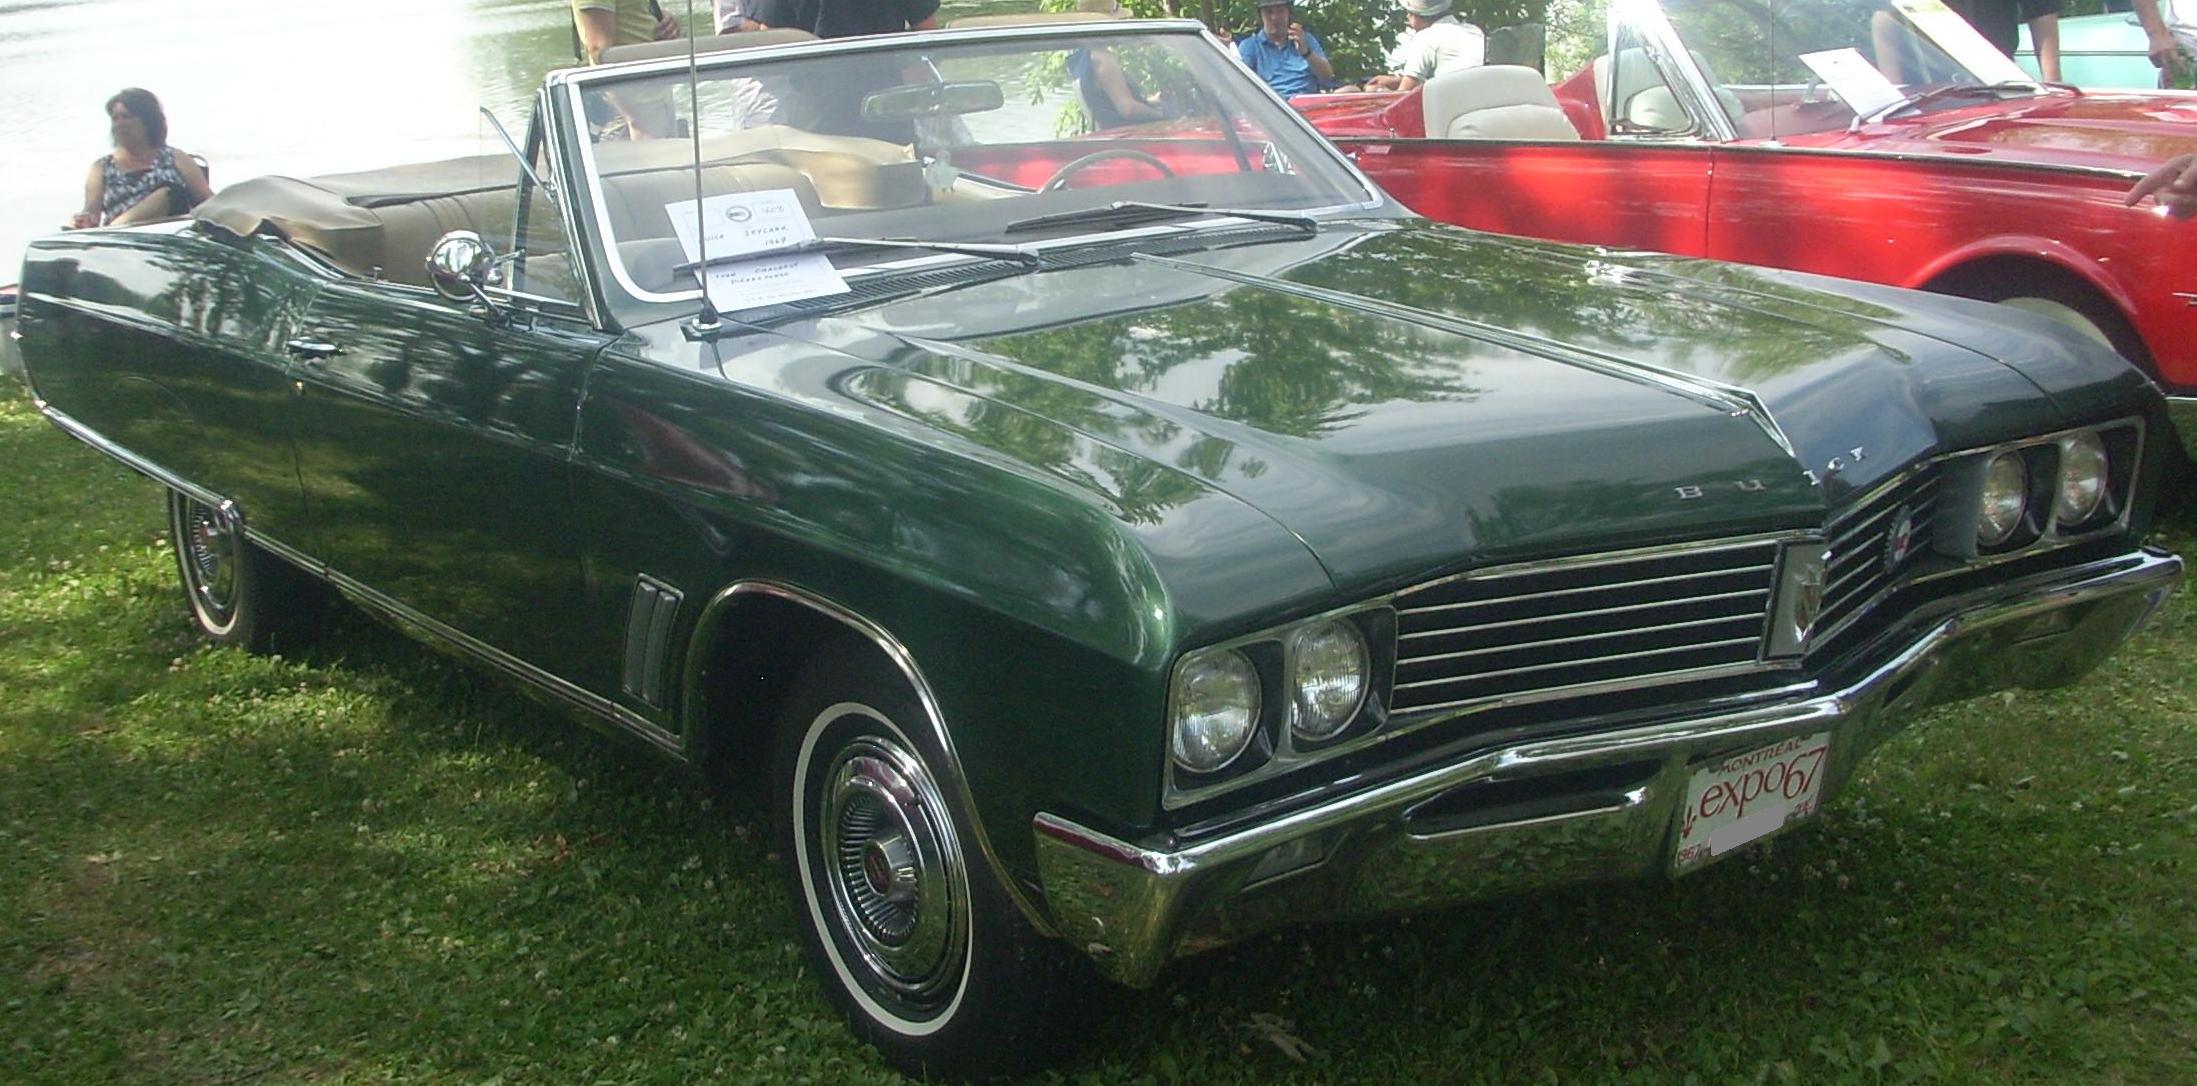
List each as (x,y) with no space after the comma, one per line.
(1749,796)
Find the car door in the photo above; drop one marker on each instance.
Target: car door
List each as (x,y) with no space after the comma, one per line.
(434,446)
(1644,185)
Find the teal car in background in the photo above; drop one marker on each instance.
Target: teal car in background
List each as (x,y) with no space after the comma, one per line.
(2108,50)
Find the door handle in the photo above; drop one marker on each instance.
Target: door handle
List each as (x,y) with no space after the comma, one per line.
(312,350)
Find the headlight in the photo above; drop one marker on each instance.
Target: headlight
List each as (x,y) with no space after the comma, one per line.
(1329,678)
(2082,479)
(1215,706)
(2005,495)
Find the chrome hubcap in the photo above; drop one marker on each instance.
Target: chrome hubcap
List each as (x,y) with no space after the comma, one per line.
(893,869)
(209,553)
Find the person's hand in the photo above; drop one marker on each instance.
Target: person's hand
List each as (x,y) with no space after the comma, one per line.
(2166,54)
(2174,185)
(667,27)
(1296,38)
(82,220)
(1384,82)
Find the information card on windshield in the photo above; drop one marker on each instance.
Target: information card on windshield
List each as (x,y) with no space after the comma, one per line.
(1863,88)
(744,229)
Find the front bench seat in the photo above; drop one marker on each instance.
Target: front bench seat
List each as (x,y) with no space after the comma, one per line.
(1494,102)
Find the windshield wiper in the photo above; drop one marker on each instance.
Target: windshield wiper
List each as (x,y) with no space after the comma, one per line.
(1016,253)
(1949,90)
(1130,212)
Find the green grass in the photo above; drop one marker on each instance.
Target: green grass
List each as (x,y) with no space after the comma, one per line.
(374,865)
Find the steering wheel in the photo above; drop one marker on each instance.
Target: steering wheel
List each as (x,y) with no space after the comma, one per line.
(1060,177)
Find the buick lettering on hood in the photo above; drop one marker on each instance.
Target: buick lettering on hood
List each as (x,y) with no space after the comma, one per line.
(1109,532)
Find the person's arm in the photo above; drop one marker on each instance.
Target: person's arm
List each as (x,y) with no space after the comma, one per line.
(2173,184)
(1308,47)
(2166,53)
(194,178)
(157,205)
(95,193)
(2044,35)
(1114,83)
(598,29)
(1416,64)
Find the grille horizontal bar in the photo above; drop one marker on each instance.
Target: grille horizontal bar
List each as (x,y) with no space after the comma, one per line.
(1546,630)
(1862,561)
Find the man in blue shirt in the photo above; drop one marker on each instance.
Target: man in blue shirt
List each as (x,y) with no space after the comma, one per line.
(1285,54)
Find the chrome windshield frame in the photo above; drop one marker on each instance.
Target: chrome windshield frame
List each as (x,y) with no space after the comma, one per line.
(584,185)
(1691,86)
(1668,52)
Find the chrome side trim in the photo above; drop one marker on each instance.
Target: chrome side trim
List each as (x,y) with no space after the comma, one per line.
(427,628)
(1941,161)
(128,459)
(570,693)
(706,628)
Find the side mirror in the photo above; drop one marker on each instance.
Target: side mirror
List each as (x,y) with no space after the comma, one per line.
(458,267)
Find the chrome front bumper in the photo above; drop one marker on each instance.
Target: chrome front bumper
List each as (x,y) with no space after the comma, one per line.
(1608,807)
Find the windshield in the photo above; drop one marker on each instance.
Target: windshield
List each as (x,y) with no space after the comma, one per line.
(1790,67)
(987,140)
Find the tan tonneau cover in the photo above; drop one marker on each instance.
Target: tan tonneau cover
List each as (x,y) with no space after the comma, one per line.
(383,219)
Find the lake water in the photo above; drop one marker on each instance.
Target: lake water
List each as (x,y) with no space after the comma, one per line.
(269,87)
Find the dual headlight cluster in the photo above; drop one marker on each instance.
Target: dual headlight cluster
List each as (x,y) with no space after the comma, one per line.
(2066,485)
(1289,691)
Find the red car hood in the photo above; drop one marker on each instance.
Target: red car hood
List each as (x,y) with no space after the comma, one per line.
(2133,131)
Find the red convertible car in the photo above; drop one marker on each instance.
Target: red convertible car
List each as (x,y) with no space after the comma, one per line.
(1862,138)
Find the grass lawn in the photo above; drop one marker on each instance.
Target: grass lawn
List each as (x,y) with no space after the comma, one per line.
(376,865)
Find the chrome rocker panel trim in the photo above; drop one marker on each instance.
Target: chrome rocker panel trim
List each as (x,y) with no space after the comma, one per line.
(592,707)
(1135,908)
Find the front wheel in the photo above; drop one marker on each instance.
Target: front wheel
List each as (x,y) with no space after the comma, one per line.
(237,593)
(914,937)
(2064,302)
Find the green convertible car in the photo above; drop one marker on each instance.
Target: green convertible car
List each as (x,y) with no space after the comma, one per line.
(1109,523)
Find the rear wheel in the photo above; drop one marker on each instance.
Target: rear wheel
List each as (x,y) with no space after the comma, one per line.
(236,592)
(912,933)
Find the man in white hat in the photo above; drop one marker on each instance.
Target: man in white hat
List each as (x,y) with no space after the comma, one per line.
(1439,42)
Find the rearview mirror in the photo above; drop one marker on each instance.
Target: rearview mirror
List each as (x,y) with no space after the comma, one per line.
(906,103)
(458,266)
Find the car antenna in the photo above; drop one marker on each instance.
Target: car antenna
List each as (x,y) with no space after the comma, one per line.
(709,323)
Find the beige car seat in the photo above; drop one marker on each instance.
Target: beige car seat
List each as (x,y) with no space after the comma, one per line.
(1494,102)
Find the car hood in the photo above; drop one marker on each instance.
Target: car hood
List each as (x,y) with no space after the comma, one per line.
(2121,130)
(1398,396)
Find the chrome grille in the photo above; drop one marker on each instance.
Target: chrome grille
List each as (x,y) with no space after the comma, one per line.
(1554,629)
(1858,566)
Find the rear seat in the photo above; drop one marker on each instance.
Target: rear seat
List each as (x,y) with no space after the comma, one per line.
(385,222)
